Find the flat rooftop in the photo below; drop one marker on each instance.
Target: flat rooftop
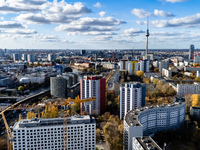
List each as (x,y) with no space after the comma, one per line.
(132,117)
(37,122)
(148,143)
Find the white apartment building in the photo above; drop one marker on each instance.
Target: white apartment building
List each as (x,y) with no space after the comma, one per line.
(133,67)
(51,57)
(163,64)
(198,74)
(167,73)
(150,119)
(132,96)
(31,57)
(183,89)
(47,134)
(144,65)
(93,86)
(123,64)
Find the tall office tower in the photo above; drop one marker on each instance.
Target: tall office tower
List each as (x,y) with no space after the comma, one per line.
(47,134)
(132,96)
(93,86)
(58,87)
(2,54)
(147,35)
(83,52)
(31,57)
(24,57)
(191,52)
(144,65)
(16,57)
(123,64)
(163,65)
(51,57)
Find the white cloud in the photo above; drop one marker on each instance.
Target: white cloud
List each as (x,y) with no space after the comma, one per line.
(177,22)
(21,31)
(141,13)
(57,12)
(11,24)
(102,13)
(162,13)
(174,1)
(132,32)
(1,18)
(97,5)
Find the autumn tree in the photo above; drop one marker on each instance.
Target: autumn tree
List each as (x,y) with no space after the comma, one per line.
(156,70)
(75,108)
(98,134)
(20,117)
(21,89)
(30,115)
(196,64)
(140,73)
(51,111)
(197,79)
(195,100)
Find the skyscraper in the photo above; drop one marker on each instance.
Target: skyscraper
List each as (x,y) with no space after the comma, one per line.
(93,86)
(144,65)
(132,96)
(191,52)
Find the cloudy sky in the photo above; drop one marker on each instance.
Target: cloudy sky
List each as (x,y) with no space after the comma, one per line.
(103,24)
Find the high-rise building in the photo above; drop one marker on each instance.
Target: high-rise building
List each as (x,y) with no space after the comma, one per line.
(198,73)
(144,65)
(148,120)
(2,54)
(93,86)
(191,52)
(133,67)
(52,57)
(163,65)
(48,134)
(24,57)
(83,52)
(31,57)
(16,57)
(58,87)
(124,64)
(132,96)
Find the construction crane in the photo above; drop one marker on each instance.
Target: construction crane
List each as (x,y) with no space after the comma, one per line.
(66,102)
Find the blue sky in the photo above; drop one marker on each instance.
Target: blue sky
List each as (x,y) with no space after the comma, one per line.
(103,24)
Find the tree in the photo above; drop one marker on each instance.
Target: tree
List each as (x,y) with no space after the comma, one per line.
(75,108)
(98,134)
(195,100)
(140,73)
(51,111)
(97,72)
(30,115)
(20,117)
(21,88)
(84,70)
(156,70)
(197,79)
(196,64)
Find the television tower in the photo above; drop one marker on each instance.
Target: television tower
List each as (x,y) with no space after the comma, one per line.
(147,35)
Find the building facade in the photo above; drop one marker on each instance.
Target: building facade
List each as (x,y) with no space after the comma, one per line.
(183,89)
(124,64)
(167,73)
(93,86)
(150,119)
(132,96)
(58,87)
(163,65)
(144,65)
(47,134)
(191,52)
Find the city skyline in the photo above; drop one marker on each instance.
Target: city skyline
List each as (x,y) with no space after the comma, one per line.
(88,24)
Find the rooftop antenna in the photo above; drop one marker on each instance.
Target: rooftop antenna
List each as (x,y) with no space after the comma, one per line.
(147,35)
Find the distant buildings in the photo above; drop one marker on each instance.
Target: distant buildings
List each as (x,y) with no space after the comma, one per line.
(191,52)
(31,57)
(93,86)
(124,64)
(183,89)
(16,57)
(167,73)
(52,57)
(198,74)
(132,96)
(24,57)
(78,133)
(150,119)
(83,52)
(195,113)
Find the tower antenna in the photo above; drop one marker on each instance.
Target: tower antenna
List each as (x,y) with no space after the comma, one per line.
(147,35)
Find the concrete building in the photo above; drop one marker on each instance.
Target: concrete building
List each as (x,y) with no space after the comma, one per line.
(2,54)
(133,67)
(58,87)
(35,134)
(132,96)
(156,64)
(183,89)
(195,113)
(144,65)
(83,52)
(196,60)
(16,57)
(167,73)
(124,64)
(24,57)
(163,64)
(150,119)
(192,69)
(31,57)
(198,74)
(52,57)
(191,52)
(93,86)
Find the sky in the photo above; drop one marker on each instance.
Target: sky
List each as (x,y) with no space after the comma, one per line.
(103,24)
